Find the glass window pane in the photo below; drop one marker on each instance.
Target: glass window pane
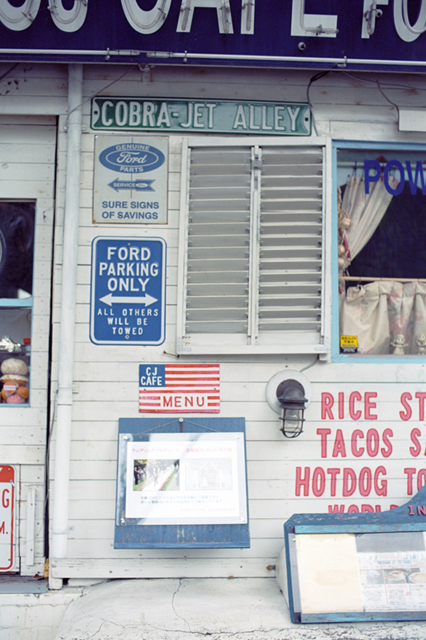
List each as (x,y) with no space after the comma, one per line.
(15,353)
(16,249)
(382,251)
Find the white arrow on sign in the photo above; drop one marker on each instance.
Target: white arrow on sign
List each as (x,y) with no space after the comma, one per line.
(110,300)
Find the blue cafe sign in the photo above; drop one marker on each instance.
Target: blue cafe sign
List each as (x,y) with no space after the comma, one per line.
(330,34)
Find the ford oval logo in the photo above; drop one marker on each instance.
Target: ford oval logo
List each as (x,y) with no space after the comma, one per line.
(132,157)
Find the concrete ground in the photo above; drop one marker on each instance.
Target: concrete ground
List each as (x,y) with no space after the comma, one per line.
(28,611)
(171,609)
(217,609)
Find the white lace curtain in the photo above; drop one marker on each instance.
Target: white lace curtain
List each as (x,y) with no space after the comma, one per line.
(360,214)
(386,316)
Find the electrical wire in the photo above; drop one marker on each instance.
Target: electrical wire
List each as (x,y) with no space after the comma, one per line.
(376,81)
(8,71)
(386,98)
(314,78)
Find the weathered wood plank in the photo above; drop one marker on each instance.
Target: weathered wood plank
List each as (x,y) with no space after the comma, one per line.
(152,568)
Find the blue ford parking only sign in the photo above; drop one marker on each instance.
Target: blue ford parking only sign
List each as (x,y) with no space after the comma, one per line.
(127,303)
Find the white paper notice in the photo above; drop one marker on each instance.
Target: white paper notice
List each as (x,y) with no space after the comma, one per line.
(182,478)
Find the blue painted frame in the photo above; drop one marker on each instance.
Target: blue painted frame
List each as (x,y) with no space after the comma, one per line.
(336,356)
(219,536)
(408,518)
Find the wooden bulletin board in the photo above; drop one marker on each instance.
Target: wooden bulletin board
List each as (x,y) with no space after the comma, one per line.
(358,567)
(181,483)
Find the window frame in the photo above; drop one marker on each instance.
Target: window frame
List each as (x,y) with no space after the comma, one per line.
(336,356)
(202,343)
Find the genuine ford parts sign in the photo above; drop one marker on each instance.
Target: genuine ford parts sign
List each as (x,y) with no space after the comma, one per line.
(132,157)
(130,185)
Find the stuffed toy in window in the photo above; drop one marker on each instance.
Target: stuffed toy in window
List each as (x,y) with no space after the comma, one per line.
(15,381)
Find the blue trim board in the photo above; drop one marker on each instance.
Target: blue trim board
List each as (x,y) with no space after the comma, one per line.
(409,517)
(361,617)
(130,534)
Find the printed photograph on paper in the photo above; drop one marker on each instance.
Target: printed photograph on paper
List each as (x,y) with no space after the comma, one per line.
(156,475)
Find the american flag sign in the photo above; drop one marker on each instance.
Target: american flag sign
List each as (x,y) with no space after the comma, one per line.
(179,388)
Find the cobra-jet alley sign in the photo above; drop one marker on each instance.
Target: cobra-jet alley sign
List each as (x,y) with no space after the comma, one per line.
(130,184)
(213,116)
(282,33)
(128,291)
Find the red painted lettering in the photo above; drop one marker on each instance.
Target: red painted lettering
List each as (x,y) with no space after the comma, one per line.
(380,486)
(323,433)
(365,508)
(318,482)
(349,482)
(404,401)
(365,481)
(5,498)
(386,452)
(414,435)
(421,479)
(327,402)
(369,406)
(336,508)
(339,445)
(409,471)
(302,481)
(333,473)
(355,395)
(373,443)
(341,405)
(354,446)
(421,395)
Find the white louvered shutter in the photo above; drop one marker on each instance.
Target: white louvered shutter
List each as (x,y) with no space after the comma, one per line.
(291,240)
(251,275)
(218,241)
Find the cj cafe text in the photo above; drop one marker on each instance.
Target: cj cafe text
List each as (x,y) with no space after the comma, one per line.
(128,270)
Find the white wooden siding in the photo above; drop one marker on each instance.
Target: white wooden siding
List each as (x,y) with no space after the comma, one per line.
(106,377)
(27,170)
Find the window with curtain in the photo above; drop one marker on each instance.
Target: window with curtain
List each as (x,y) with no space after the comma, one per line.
(382,251)
(17,230)
(251,259)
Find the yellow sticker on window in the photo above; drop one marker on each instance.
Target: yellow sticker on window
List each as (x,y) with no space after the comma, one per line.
(348,344)
(348,341)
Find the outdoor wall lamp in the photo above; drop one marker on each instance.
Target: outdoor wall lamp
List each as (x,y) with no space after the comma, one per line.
(288,393)
(291,396)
